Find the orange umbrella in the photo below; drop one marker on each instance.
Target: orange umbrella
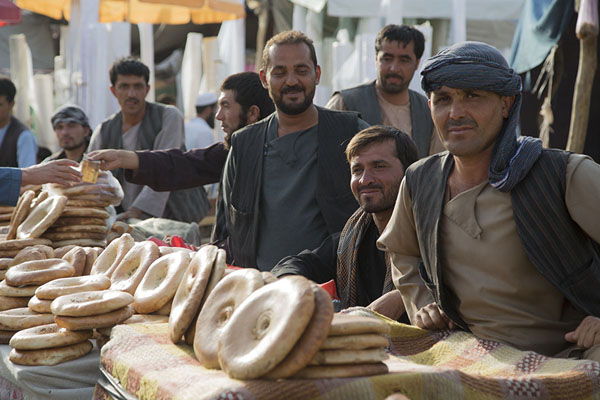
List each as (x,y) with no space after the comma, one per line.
(149,11)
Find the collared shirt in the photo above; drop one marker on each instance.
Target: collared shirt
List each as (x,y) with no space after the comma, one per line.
(10,185)
(26,147)
(500,293)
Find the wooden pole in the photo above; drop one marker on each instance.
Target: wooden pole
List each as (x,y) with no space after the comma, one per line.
(587,32)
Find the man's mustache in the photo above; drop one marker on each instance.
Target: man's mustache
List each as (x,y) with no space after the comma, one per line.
(453,123)
(394,76)
(131,99)
(292,89)
(369,187)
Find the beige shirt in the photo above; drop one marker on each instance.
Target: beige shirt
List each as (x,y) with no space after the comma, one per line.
(394,115)
(170,136)
(500,294)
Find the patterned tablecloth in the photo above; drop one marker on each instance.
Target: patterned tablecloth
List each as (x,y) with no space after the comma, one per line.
(422,364)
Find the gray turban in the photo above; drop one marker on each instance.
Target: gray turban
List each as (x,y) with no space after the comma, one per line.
(70,113)
(476,65)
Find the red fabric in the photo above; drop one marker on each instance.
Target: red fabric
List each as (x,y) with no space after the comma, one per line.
(331,289)
(157,241)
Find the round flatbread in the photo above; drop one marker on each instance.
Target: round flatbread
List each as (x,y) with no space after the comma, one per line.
(41,217)
(338,357)
(22,318)
(345,324)
(20,213)
(314,335)
(16,291)
(84,304)
(75,284)
(39,306)
(77,258)
(40,197)
(6,218)
(341,371)
(9,303)
(78,221)
(88,212)
(268,277)
(52,356)
(38,272)
(164,310)
(19,244)
(96,321)
(355,342)
(91,256)
(60,252)
(159,284)
(5,263)
(146,319)
(112,255)
(265,327)
(46,337)
(231,291)
(132,268)
(186,303)
(78,228)
(80,242)
(58,236)
(88,203)
(5,336)
(7,209)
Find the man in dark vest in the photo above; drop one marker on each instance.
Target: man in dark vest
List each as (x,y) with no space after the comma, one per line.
(388,100)
(72,130)
(285,184)
(142,125)
(507,231)
(18,147)
(378,157)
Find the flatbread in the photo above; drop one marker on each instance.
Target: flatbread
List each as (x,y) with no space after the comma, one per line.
(18,244)
(89,212)
(337,357)
(345,324)
(72,221)
(80,242)
(355,342)
(59,236)
(342,371)
(52,356)
(95,321)
(87,203)
(21,211)
(22,318)
(16,291)
(78,228)
(46,337)
(41,217)
(9,303)
(5,336)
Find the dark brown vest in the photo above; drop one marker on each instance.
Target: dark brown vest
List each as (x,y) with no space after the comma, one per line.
(8,149)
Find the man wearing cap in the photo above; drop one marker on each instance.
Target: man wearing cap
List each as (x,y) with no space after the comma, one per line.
(72,131)
(199,130)
(507,231)
(18,147)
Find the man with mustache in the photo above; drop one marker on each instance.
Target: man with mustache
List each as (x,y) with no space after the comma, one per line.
(143,125)
(285,181)
(506,230)
(388,100)
(72,130)
(378,157)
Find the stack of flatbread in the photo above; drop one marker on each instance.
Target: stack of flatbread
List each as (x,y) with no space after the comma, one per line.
(16,319)
(10,248)
(48,344)
(6,213)
(355,346)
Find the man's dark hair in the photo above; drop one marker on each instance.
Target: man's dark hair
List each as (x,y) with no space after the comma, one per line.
(128,66)
(249,91)
(403,34)
(406,150)
(7,89)
(289,37)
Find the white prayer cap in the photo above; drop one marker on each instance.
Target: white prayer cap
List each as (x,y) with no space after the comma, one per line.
(205,99)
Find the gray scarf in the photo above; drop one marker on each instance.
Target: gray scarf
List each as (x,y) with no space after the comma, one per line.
(475,65)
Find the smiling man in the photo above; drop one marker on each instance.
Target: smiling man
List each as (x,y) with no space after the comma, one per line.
(388,100)
(508,232)
(285,181)
(72,131)
(143,125)
(378,157)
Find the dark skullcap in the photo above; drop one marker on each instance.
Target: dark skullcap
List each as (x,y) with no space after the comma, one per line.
(70,113)
(476,65)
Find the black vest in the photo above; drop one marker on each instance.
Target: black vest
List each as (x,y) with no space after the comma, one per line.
(188,205)
(363,99)
(553,242)
(8,149)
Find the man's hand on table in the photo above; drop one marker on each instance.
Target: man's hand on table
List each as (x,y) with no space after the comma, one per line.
(390,305)
(587,333)
(132,212)
(433,318)
(62,172)
(113,159)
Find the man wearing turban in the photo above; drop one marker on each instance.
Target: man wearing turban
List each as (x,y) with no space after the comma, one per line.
(496,235)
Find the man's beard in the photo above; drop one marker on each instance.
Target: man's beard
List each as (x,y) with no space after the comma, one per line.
(394,87)
(387,201)
(294,109)
(75,146)
(243,121)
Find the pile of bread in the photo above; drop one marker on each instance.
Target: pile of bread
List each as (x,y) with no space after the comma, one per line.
(73,215)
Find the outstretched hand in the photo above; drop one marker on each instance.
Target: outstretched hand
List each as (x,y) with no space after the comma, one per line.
(390,304)
(587,333)
(433,318)
(62,172)
(113,159)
